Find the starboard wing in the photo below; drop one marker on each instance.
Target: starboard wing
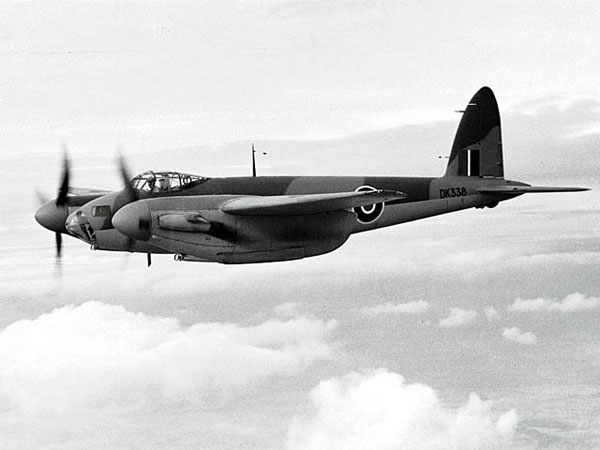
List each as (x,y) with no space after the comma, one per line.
(87,191)
(286,205)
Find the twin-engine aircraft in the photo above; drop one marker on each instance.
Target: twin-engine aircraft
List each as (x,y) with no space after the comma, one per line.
(262,219)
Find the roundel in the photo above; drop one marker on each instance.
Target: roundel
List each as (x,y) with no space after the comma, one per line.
(370,213)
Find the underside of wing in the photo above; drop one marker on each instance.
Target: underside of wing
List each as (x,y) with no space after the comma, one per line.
(526,189)
(286,205)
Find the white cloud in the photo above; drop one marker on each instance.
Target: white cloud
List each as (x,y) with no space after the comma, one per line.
(287,310)
(491,313)
(415,307)
(516,335)
(572,302)
(98,354)
(458,317)
(378,410)
(534,304)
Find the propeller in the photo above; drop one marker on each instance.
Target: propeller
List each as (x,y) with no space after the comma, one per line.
(41,197)
(52,214)
(58,238)
(130,193)
(63,190)
(61,199)
(131,196)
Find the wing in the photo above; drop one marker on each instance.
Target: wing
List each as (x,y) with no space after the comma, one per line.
(526,189)
(183,214)
(287,205)
(88,191)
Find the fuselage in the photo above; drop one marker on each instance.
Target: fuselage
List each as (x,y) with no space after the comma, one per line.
(261,239)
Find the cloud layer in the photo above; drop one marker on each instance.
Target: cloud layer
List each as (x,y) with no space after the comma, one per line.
(415,307)
(379,410)
(458,317)
(98,354)
(491,313)
(572,302)
(516,335)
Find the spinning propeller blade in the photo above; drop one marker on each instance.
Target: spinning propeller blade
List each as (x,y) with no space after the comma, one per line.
(58,237)
(61,199)
(41,197)
(132,194)
(63,189)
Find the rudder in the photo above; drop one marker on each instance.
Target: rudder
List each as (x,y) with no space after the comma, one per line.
(477,147)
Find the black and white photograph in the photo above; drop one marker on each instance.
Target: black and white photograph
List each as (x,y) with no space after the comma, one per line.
(299,225)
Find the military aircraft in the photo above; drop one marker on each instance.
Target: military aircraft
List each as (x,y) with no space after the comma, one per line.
(262,219)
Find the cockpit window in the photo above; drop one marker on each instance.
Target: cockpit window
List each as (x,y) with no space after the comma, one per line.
(101,211)
(157,182)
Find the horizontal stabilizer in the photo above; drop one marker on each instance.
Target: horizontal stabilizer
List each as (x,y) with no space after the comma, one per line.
(284,205)
(526,189)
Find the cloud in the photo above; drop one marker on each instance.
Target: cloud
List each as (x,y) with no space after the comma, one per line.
(491,313)
(379,410)
(458,317)
(572,302)
(98,354)
(287,310)
(516,335)
(416,307)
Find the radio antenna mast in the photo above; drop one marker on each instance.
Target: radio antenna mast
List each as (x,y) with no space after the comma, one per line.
(254,159)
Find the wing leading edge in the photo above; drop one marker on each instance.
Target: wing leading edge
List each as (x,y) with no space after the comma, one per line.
(88,191)
(287,205)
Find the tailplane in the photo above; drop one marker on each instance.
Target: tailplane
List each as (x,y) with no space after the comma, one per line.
(477,147)
(518,189)
(477,150)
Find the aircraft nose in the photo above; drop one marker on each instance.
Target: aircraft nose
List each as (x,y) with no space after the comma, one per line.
(134,221)
(78,225)
(52,217)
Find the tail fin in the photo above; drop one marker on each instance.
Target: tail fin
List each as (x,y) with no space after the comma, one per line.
(477,148)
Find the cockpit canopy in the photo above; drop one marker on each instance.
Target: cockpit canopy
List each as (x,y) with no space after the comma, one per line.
(165,181)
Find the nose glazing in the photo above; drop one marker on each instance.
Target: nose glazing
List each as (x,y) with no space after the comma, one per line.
(78,225)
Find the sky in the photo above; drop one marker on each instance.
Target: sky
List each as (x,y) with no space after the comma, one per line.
(473,330)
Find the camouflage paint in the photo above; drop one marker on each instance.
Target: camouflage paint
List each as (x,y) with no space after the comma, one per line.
(479,129)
